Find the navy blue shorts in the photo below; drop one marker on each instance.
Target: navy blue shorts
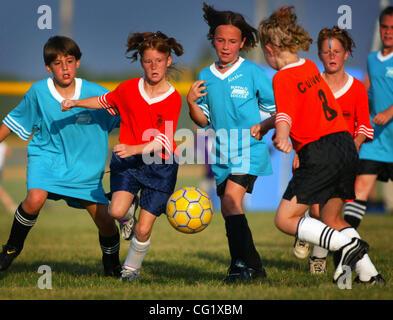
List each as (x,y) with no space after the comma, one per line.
(156,182)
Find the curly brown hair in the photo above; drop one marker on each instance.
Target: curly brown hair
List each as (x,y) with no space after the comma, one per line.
(337,33)
(282,31)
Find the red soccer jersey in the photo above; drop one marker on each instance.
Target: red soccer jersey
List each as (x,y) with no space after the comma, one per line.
(306,103)
(144,119)
(353,100)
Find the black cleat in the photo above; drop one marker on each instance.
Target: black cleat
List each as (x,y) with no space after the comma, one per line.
(112,271)
(240,272)
(8,254)
(350,254)
(374,281)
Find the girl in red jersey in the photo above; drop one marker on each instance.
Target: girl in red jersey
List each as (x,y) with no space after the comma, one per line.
(334,47)
(309,116)
(144,160)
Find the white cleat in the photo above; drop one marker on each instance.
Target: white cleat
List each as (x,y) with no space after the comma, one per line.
(317,265)
(128,274)
(301,249)
(127,224)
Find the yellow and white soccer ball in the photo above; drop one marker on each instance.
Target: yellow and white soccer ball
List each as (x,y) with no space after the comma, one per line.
(189,210)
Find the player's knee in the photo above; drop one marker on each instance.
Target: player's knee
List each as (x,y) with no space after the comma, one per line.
(116,212)
(142,232)
(34,201)
(229,205)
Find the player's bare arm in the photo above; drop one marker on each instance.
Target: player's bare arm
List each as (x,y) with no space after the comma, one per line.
(4,132)
(88,103)
(383,117)
(193,95)
(125,150)
(260,129)
(281,140)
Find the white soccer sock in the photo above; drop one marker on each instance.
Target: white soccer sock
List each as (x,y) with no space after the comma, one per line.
(136,253)
(319,252)
(364,267)
(318,233)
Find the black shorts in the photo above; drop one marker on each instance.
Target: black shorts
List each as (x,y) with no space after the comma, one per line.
(245,180)
(327,169)
(383,170)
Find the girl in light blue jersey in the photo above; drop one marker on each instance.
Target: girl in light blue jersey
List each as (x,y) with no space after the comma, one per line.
(228,97)
(66,153)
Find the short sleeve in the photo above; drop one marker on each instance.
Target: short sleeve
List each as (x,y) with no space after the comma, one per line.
(266,101)
(285,99)
(363,125)
(109,102)
(25,117)
(203,104)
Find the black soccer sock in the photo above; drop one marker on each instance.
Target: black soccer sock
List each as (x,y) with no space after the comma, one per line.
(240,241)
(110,247)
(21,226)
(354,212)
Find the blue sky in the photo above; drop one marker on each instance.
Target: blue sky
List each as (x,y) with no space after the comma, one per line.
(101,27)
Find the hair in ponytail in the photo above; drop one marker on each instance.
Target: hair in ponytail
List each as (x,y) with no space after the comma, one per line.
(137,43)
(216,18)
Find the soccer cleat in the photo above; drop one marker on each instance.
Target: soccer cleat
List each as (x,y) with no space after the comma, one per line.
(129,274)
(374,281)
(351,253)
(317,265)
(112,271)
(301,249)
(8,254)
(257,274)
(127,225)
(238,272)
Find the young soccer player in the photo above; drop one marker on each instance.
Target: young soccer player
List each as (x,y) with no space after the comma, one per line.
(149,107)
(376,157)
(229,95)
(309,115)
(60,152)
(334,47)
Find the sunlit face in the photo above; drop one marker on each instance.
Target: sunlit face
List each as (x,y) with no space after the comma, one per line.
(386,31)
(155,65)
(333,58)
(228,42)
(64,69)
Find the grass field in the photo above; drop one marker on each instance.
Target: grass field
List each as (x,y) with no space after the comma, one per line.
(177,266)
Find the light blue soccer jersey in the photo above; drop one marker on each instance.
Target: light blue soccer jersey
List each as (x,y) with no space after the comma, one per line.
(68,150)
(233,104)
(380,71)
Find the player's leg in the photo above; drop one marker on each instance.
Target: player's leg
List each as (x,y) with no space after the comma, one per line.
(331,215)
(289,219)
(108,236)
(368,173)
(123,208)
(24,219)
(153,204)
(245,260)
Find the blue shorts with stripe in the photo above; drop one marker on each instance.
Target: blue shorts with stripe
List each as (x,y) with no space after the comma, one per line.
(155,181)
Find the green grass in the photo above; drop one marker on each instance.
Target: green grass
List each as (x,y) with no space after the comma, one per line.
(177,266)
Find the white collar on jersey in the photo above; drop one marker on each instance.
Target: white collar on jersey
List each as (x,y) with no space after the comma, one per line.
(56,94)
(156,99)
(222,76)
(345,88)
(295,64)
(384,58)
